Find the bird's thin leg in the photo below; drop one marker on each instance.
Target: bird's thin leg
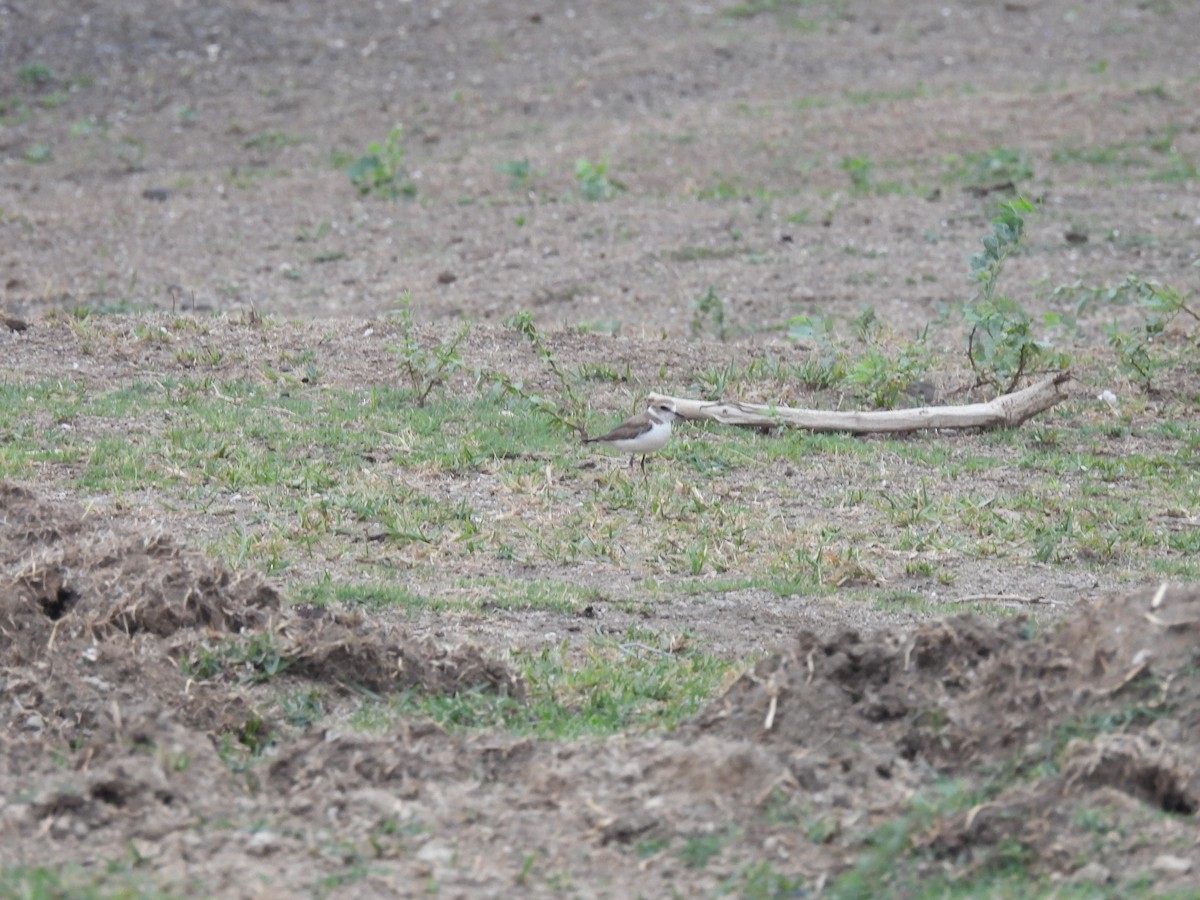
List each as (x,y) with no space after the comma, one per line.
(643,463)
(632,457)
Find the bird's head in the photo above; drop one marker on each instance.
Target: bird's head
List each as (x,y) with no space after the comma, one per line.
(664,409)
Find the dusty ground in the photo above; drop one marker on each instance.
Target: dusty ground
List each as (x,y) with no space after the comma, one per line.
(729,134)
(111,749)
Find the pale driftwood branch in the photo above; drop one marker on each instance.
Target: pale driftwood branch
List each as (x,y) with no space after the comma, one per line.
(1007,411)
(1000,598)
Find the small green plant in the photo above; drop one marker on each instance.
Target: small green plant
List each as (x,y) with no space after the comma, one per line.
(884,372)
(381,169)
(426,368)
(1141,353)
(255,734)
(881,374)
(13,110)
(862,177)
(36,73)
(883,377)
(122,876)
(712,384)
(271,141)
(519,172)
(753,8)
(1135,352)
(992,169)
(628,682)
(827,366)
(1000,345)
(38,153)
(699,849)
(861,170)
(652,846)
(569,408)
(302,709)
(760,881)
(87,126)
(708,310)
(256,657)
(593,181)
(723,189)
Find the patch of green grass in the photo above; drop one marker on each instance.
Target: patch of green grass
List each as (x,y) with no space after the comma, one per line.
(881,869)
(253,657)
(14,111)
(696,254)
(304,475)
(806,446)
(1178,169)
(778,585)
(601,372)
(1123,158)
(1109,156)
(652,846)
(761,881)
(903,601)
(375,596)
(298,452)
(699,849)
(485,593)
(708,315)
(119,462)
(39,153)
(551,596)
(116,879)
(721,189)
(302,708)
(519,171)
(271,141)
(632,682)
(999,165)
(36,73)
(1087,726)
(1181,569)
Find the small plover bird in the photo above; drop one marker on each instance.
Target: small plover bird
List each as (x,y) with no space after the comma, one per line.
(644,433)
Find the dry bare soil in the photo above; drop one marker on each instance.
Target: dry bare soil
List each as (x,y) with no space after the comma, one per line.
(164,163)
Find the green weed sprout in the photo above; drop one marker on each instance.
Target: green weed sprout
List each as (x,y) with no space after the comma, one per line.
(593,180)
(425,368)
(1001,346)
(566,410)
(380,170)
(1138,352)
